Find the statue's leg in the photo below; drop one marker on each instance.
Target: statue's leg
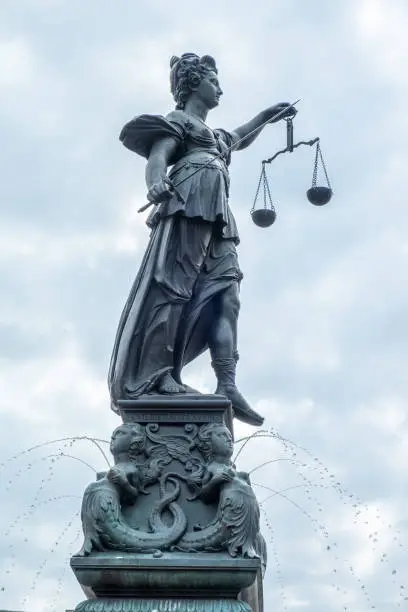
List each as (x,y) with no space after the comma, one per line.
(223,340)
(177,277)
(223,348)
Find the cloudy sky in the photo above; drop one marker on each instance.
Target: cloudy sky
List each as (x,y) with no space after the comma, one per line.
(323,331)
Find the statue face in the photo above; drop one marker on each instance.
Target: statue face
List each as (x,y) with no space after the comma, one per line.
(221,440)
(123,437)
(209,90)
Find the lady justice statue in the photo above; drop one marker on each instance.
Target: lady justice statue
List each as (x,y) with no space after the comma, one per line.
(185,298)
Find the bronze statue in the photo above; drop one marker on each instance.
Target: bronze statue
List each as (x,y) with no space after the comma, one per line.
(185,298)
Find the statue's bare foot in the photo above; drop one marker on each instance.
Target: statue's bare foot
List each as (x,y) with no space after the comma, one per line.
(242,409)
(168,385)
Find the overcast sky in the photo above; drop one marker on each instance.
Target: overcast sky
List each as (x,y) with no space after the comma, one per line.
(323,327)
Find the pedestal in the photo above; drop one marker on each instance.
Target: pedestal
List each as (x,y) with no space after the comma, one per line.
(165,578)
(171,582)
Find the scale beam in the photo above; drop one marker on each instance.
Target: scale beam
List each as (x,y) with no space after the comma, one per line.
(317,194)
(289,149)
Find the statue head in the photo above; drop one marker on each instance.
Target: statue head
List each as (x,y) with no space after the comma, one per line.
(130,438)
(193,74)
(215,439)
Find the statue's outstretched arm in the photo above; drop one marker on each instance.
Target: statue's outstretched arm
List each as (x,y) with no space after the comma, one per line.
(247,132)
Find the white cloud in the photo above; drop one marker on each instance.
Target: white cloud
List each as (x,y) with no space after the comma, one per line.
(382,28)
(22,242)
(57,391)
(17,66)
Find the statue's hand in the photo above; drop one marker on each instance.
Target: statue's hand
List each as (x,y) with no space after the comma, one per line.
(117,476)
(160,191)
(226,474)
(280,108)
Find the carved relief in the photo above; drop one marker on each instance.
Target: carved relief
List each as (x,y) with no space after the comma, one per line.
(144,457)
(236,525)
(103,523)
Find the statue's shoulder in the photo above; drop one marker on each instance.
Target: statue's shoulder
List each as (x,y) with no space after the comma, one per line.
(180,119)
(176,115)
(140,133)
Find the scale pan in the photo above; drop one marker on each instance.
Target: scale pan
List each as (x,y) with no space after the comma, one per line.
(319,195)
(263,217)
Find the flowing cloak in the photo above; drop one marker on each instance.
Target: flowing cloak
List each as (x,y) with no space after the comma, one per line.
(191,257)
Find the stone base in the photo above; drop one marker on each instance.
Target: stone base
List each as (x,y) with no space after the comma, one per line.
(172,575)
(192,407)
(163,605)
(175,409)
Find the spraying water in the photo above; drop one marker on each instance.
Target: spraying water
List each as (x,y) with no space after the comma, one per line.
(294,486)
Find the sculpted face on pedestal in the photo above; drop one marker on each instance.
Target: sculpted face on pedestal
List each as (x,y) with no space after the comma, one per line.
(125,437)
(221,441)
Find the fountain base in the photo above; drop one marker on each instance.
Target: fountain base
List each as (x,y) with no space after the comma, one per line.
(178,582)
(177,559)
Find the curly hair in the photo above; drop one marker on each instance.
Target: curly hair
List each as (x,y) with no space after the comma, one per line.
(204,442)
(186,74)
